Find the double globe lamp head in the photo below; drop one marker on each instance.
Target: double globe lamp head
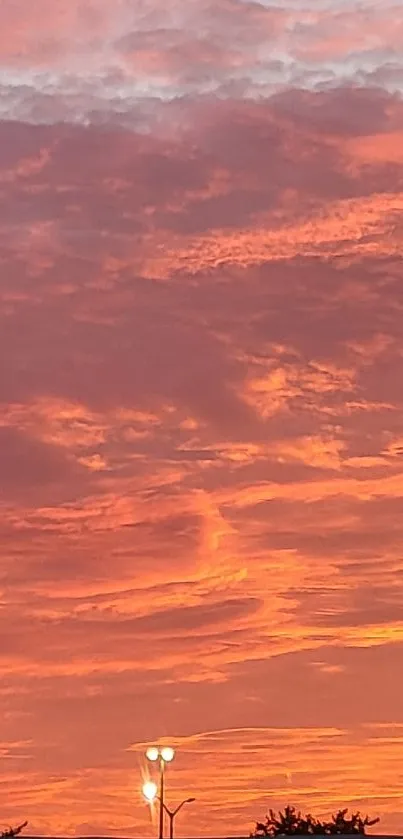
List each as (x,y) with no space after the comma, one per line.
(166,753)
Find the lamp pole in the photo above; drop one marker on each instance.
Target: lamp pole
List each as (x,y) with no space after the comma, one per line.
(161,797)
(163,756)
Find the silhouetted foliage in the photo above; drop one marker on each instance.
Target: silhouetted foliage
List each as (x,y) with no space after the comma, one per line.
(356,824)
(292,823)
(12,831)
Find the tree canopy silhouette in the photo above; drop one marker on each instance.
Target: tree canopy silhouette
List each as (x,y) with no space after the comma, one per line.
(291,822)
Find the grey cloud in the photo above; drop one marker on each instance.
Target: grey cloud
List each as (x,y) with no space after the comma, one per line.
(104,71)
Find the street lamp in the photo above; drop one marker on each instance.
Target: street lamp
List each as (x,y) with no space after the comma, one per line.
(150,793)
(163,756)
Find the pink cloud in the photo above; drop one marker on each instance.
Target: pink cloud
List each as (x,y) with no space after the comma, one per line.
(83,61)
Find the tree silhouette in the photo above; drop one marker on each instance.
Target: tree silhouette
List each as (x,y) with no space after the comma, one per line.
(356,824)
(10,832)
(291,822)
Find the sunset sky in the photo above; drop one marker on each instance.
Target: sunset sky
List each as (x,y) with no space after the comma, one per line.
(201,436)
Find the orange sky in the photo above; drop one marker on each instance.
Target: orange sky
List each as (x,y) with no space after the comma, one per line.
(201,438)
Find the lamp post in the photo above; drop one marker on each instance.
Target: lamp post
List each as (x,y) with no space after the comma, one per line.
(163,756)
(150,793)
(172,813)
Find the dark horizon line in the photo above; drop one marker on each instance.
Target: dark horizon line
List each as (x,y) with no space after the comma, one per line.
(208,836)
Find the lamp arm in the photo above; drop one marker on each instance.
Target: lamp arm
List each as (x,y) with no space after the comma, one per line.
(164,807)
(171,813)
(179,807)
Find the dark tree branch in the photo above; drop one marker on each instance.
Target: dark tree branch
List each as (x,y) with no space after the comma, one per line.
(12,831)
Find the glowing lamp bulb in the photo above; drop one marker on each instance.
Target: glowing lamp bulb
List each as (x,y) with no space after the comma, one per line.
(167,754)
(150,791)
(152,753)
